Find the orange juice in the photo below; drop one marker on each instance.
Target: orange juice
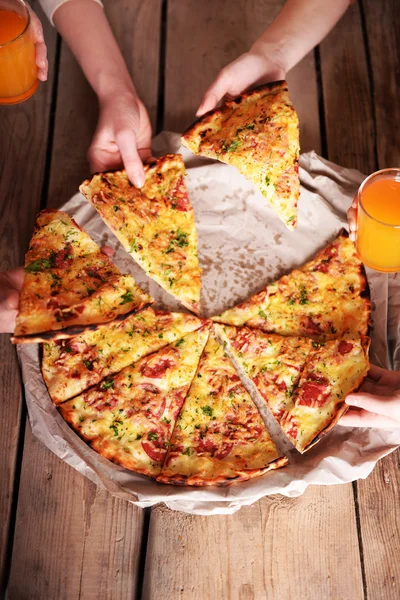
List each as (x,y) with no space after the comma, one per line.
(18,71)
(378,233)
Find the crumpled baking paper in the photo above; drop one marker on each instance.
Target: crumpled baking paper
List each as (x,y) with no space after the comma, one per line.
(242,247)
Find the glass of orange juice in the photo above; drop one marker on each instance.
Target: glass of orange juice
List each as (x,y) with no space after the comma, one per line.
(378,221)
(18,70)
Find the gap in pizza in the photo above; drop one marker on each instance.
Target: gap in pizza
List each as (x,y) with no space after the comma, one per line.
(326,298)
(219,436)
(129,418)
(155,224)
(303,382)
(258,133)
(69,282)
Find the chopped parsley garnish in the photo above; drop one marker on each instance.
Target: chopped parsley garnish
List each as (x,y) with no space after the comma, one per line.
(207,410)
(127,297)
(138,437)
(88,364)
(179,343)
(114,427)
(179,240)
(152,435)
(262,313)
(291,301)
(133,247)
(107,384)
(303,295)
(165,420)
(188,451)
(115,207)
(41,264)
(234,145)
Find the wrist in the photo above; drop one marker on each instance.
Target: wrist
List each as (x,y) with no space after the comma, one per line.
(273,52)
(109,88)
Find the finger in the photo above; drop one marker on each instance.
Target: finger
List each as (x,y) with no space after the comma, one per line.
(10,300)
(375,373)
(381,405)
(41,61)
(103,160)
(16,277)
(7,319)
(363,418)
(146,155)
(107,250)
(214,93)
(37,28)
(126,141)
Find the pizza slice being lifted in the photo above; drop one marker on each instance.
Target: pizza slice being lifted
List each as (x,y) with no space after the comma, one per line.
(155,224)
(71,366)
(129,418)
(258,133)
(326,298)
(219,436)
(304,383)
(68,281)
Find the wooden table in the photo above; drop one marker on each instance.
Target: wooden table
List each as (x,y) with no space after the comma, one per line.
(61,537)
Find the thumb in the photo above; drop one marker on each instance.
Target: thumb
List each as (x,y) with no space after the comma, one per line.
(213,95)
(126,141)
(382,405)
(363,418)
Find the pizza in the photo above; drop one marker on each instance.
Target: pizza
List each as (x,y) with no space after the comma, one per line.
(326,298)
(258,133)
(68,281)
(303,382)
(71,366)
(129,418)
(219,436)
(155,224)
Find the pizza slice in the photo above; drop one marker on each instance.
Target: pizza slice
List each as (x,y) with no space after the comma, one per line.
(258,133)
(303,382)
(326,298)
(129,418)
(155,224)
(68,281)
(220,436)
(71,366)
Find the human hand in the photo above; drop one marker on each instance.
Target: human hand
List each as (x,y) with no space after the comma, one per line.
(259,65)
(352,219)
(40,46)
(378,399)
(10,288)
(123,136)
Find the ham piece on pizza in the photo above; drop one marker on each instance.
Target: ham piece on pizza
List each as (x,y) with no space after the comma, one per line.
(155,224)
(219,436)
(68,281)
(71,366)
(303,382)
(258,133)
(326,298)
(129,418)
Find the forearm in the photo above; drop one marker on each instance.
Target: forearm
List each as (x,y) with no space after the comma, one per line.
(85,28)
(299,26)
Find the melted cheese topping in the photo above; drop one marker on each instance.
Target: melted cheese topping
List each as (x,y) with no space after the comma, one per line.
(304,383)
(259,135)
(129,419)
(71,366)
(68,281)
(155,224)
(219,433)
(324,299)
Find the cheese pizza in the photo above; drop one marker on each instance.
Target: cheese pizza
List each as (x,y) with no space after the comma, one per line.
(68,281)
(326,298)
(303,382)
(258,133)
(219,436)
(155,224)
(71,366)
(129,418)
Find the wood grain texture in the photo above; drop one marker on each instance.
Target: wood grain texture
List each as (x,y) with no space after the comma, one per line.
(277,549)
(378,496)
(136,26)
(23,135)
(203,37)
(73,540)
(346,91)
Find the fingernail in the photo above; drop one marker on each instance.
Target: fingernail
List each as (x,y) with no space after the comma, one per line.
(139,181)
(353,401)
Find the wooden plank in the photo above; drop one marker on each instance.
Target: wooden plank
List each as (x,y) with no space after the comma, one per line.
(74,540)
(276,549)
(196,27)
(263,551)
(380,529)
(23,128)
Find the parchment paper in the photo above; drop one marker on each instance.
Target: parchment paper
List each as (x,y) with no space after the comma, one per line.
(242,247)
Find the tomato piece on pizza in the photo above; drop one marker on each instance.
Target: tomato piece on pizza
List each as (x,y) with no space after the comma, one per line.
(68,281)
(219,436)
(71,366)
(336,369)
(258,133)
(129,418)
(326,298)
(155,224)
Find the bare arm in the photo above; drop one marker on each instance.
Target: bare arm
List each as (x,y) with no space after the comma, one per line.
(299,26)
(124,132)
